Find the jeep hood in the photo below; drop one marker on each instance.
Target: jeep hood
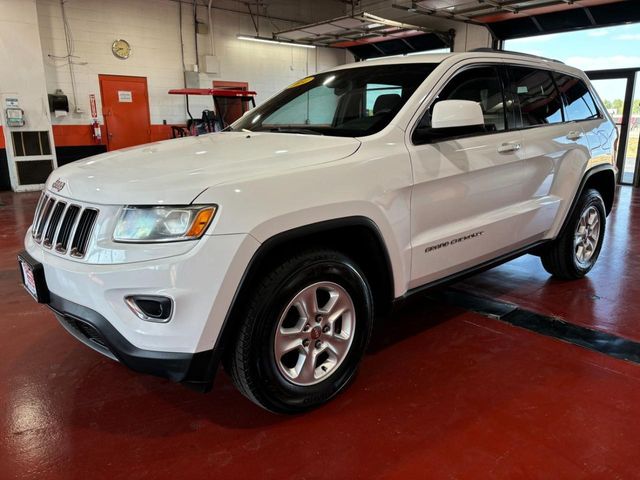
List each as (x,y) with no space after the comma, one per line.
(177,171)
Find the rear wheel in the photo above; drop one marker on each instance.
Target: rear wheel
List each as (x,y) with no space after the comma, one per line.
(305,330)
(574,253)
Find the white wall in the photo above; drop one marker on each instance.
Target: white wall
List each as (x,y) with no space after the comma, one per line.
(22,77)
(21,69)
(152,29)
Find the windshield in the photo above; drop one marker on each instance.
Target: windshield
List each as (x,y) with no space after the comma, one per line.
(348,103)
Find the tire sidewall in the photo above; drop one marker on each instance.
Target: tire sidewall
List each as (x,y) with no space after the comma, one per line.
(281,392)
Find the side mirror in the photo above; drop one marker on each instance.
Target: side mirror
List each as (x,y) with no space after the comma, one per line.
(451,119)
(456,114)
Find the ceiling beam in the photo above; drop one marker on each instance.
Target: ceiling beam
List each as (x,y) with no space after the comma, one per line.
(497,6)
(415,8)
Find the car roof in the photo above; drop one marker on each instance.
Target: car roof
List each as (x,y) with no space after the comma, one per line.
(542,62)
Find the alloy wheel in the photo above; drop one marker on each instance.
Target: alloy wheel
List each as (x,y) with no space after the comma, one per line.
(314,333)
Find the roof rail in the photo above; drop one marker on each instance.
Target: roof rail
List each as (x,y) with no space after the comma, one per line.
(509,52)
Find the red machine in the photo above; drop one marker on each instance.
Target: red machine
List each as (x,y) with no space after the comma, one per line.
(228,106)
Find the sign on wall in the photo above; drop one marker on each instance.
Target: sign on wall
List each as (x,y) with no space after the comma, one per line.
(125,96)
(92,105)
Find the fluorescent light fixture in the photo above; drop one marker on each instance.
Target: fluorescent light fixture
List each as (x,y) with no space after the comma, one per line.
(271,40)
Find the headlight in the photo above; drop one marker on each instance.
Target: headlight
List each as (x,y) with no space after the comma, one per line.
(163,223)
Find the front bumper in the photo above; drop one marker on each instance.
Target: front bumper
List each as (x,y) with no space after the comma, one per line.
(95,331)
(89,301)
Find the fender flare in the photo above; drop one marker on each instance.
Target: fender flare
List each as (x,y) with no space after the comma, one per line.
(585,178)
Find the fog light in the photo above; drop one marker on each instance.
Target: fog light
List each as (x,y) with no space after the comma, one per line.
(150,308)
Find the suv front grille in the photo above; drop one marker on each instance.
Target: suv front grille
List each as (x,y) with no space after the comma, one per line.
(56,222)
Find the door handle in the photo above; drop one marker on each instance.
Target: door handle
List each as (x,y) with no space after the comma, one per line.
(574,135)
(509,147)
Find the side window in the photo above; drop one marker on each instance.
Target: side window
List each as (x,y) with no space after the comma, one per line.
(480,85)
(579,102)
(535,91)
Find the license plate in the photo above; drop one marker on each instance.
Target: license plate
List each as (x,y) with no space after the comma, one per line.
(28,279)
(33,277)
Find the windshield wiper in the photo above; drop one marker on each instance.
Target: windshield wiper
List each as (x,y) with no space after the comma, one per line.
(307,131)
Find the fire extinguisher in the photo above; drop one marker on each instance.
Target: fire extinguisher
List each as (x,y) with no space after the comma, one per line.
(97,133)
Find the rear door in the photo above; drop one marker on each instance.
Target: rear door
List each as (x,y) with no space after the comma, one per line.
(584,117)
(471,195)
(554,146)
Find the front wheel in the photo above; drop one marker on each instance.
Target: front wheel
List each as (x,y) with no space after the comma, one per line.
(574,253)
(304,332)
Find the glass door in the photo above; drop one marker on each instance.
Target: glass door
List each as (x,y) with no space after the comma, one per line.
(616,89)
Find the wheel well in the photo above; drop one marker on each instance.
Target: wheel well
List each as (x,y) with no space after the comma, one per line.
(357,237)
(605,183)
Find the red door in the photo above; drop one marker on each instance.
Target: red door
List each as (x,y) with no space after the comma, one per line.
(125,107)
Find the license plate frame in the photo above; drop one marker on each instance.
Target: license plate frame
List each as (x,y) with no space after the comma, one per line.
(33,280)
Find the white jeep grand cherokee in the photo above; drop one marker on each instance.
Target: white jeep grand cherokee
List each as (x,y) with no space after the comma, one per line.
(274,246)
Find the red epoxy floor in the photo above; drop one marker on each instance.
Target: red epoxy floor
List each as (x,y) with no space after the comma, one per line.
(443,394)
(607,299)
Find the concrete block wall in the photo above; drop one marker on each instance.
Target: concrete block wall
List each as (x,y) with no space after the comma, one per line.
(152,28)
(22,78)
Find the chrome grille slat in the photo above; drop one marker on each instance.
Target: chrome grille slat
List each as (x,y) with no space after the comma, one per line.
(67,226)
(36,215)
(83,232)
(44,218)
(54,222)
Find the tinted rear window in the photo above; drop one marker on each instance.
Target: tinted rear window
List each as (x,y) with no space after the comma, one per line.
(579,102)
(537,96)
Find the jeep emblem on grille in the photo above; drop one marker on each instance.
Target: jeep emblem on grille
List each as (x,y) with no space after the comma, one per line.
(58,185)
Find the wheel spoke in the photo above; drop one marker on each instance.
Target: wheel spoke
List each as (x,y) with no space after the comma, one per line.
(287,342)
(339,308)
(308,371)
(334,297)
(308,303)
(337,345)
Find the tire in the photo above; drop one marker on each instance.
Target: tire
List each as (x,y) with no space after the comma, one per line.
(574,253)
(275,361)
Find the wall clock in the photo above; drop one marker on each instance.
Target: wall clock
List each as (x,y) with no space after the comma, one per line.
(121,49)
